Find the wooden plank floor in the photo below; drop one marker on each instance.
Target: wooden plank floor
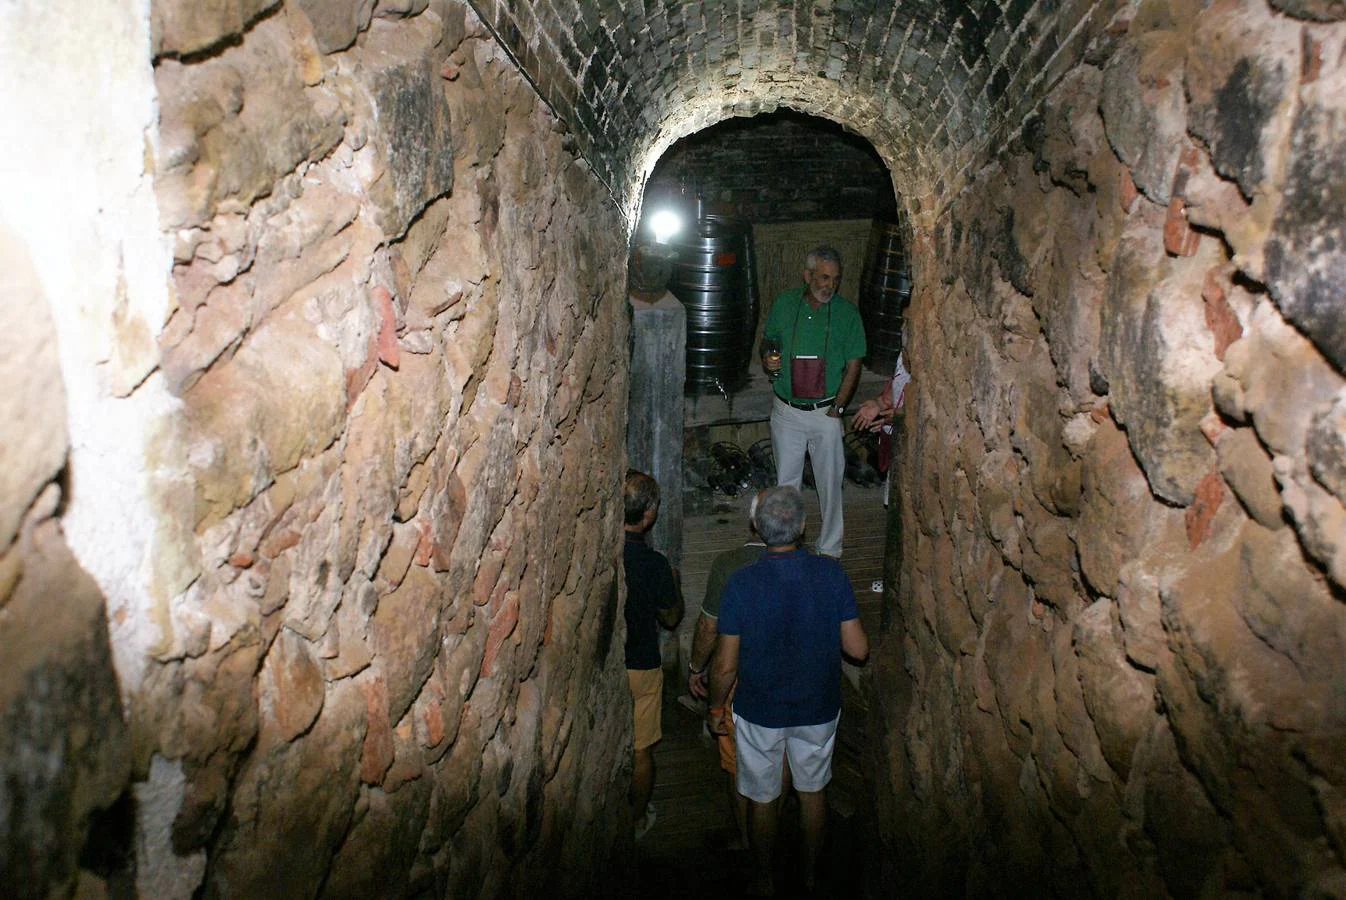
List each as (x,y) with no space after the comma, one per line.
(685,853)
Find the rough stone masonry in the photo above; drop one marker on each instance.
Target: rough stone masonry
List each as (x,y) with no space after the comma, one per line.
(314,348)
(367,634)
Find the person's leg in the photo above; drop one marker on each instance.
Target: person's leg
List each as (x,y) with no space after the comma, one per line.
(826,448)
(642,782)
(809,753)
(762,821)
(813,822)
(647,696)
(788,443)
(761,754)
(739,804)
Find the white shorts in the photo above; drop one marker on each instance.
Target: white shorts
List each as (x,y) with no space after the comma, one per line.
(762,752)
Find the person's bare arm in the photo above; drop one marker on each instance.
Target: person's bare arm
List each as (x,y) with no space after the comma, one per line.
(870,413)
(849,379)
(854,641)
(703,642)
(723,674)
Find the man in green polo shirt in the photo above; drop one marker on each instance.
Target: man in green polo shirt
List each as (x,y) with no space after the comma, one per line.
(821,341)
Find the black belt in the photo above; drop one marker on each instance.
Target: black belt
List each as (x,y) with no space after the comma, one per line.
(811,405)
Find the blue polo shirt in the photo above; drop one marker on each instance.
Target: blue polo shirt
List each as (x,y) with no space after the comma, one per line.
(787,610)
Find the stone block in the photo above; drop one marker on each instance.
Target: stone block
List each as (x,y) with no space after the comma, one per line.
(1119,697)
(280,842)
(1246,467)
(280,398)
(1292,611)
(183,27)
(1314,10)
(1306,252)
(1118,515)
(1240,82)
(1144,110)
(396,9)
(1318,517)
(1186,831)
(337,24)
(403,97)
(1073,132)
(1159,357)
(35,452)
(1015,650)
(1276,379)
(404,630)
(382,844)
(290,688)
(1325,446)
(231,126)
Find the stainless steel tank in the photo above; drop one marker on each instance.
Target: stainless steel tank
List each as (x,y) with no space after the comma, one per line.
(713,277)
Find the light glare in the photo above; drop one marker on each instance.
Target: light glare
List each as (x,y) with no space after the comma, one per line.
(664,224)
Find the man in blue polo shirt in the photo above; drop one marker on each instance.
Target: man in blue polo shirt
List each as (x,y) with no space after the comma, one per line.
(784,623)
(812,344)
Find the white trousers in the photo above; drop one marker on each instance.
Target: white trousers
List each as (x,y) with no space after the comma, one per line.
(795,432)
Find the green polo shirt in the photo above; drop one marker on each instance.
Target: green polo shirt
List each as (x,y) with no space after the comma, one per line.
(804,331)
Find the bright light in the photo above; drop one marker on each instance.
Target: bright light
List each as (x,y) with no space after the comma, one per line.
(664,224)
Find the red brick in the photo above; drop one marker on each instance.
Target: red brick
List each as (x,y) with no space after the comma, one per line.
(1128,191)
(377,755)
(501,627)
(1220,317)
(1179,238)
(425,549)
(389,352)
(1210,493)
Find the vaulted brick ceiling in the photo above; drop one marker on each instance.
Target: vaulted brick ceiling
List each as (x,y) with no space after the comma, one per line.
(934,84)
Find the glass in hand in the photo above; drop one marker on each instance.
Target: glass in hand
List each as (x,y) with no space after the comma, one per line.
(771,357)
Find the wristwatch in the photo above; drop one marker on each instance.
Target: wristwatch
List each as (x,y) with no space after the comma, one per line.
(841,410)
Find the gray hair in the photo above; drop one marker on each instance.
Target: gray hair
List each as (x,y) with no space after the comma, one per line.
(820,255)
(780,516)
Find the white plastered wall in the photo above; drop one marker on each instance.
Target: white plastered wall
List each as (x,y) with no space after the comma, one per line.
(80,116)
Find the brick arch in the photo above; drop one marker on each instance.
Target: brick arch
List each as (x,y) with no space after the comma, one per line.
(707,111)
(934,85)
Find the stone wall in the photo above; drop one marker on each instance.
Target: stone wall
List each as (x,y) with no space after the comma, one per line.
(363,599)
(1118,660)
(777,168)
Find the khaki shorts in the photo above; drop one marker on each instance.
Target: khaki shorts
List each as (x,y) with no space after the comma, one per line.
(647,690)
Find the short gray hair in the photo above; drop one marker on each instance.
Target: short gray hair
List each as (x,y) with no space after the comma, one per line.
(780,516)
(820,255)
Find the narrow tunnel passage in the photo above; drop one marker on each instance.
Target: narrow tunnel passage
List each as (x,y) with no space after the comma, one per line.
(314,321)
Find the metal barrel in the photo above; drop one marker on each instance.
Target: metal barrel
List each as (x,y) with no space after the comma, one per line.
(885,290)
(712,276)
